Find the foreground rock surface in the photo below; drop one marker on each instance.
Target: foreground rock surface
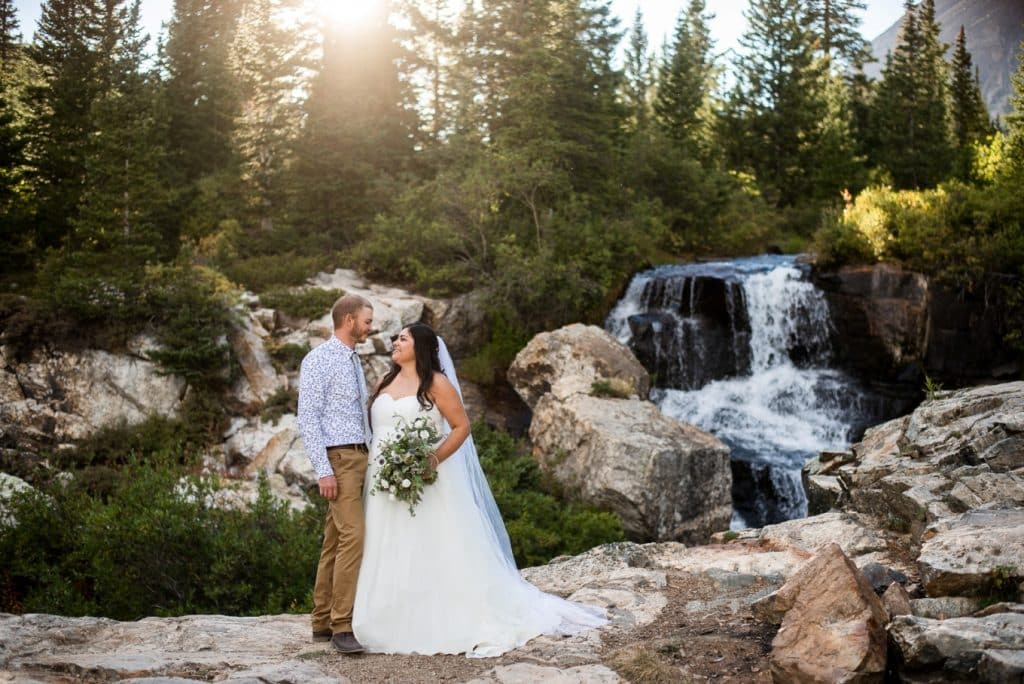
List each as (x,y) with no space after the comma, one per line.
(677,613)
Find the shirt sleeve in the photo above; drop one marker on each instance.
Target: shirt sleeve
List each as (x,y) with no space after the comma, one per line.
(312,389)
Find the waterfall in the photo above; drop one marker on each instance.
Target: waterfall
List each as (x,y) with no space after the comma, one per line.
(742,349)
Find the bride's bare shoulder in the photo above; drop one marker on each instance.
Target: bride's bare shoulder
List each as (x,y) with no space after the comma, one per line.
(441,383)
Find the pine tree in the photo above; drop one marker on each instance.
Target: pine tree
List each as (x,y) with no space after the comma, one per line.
(911,118)
(780,100)
(358,131)
(117,222)
(836,26)
(267,57)
(967,107)
(1015,120)
(12,141)
(433,59)
(685,77)
(202,94)
(64,55)
(10,38)
(637,83)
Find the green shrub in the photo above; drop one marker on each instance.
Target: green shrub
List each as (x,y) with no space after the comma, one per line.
(283,400)
(265,272)
(156,437)
(289,356)
(309,303)
(540,526)
(149,549)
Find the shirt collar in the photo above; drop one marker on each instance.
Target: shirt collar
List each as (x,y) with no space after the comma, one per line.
(339,345)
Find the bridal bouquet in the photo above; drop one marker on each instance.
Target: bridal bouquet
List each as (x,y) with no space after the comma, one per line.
(404,462)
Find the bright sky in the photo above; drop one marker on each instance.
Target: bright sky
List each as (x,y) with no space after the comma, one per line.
(659,16)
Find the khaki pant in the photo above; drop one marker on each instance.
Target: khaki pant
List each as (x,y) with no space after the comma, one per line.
(342,552)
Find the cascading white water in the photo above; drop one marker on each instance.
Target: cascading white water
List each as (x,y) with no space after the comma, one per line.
(741,349)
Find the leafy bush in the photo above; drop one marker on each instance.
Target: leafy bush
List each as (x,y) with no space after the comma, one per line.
(282,401)
(539,525)
(268,271)
(309,303)
(147,549)
(289,356)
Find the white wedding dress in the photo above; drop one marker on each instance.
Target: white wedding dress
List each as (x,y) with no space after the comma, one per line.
(436,582)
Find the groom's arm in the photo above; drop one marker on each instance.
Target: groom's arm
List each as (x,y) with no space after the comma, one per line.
(312,393)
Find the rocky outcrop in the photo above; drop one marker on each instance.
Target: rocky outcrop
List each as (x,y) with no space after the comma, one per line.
(944,488)
(664,479)
(891,323)
(962,451)
(59,397)
(578,354)
(594,432)
(834,624)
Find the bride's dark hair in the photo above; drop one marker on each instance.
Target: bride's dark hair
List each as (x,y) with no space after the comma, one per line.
(425,346)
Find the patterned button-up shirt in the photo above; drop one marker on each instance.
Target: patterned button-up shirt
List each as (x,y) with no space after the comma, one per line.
(331,409)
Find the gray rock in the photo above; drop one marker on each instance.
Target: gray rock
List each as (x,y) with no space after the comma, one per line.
(976,553)
(945,607)
(667,480)
(928,644)
(999,666)
(584,352)
(897,601)
(10,486)
(881,577)
(60,397)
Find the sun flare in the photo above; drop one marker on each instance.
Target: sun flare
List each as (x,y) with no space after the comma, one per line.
(346,13)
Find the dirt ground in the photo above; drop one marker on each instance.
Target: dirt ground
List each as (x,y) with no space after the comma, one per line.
(705,633)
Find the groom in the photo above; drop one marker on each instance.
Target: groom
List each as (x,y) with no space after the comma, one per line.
(336,431)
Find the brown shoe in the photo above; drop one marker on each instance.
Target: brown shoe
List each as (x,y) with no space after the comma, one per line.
(322,635)
(345,642)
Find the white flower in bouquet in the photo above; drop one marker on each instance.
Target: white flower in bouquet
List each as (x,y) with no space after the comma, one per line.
(404,461)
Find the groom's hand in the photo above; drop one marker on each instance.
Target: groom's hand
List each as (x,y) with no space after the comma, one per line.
(328,487)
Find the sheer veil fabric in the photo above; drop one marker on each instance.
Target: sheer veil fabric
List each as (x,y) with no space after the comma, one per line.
(445,580)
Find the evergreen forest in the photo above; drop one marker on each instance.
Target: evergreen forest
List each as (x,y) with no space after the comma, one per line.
(538,150)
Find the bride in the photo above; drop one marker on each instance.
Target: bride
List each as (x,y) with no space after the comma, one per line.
(444,580)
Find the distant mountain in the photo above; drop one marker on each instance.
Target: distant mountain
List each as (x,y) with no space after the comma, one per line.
(994,29)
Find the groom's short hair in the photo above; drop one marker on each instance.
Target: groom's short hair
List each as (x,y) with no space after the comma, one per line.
(348,304)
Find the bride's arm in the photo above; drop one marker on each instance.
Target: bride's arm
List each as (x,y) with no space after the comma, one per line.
(443,394)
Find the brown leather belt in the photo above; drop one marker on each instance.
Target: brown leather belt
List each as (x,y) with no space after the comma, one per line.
(357,447)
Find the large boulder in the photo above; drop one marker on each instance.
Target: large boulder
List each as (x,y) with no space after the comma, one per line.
(978,553)
(834,624)
(59,396)
(665,479)
(577,353)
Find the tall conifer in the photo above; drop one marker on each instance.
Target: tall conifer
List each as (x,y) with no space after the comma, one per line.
(685,77)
